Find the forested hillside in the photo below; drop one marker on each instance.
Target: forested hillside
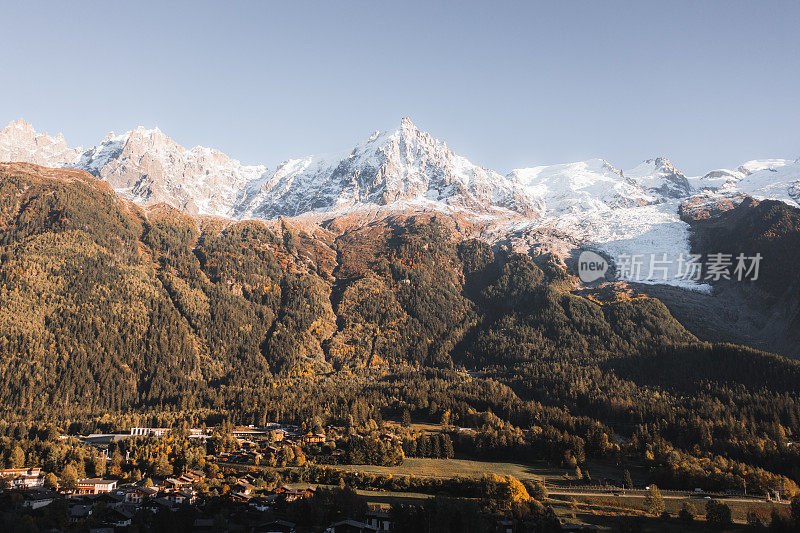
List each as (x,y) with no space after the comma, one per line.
(109,308)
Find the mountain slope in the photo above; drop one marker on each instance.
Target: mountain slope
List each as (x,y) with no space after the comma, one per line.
(226,304)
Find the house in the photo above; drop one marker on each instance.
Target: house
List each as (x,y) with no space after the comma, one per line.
(156,504)
(240,497)
(379,519)
(350,526)
(173,484)
(291,495)
(96,485)
(313,438)
(260,503)
(182,496)
(192,476)
(243,487)
(80,512)
(37,501)
(27,482)
(13,472)
(118,517)
(276,526)
(140,494)
(23,478)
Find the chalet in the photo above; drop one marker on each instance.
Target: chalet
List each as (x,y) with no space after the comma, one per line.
(243,487)
(313,438)
(240,497)
(245,457)
(95,485)
(140,494)
(193,476)
(174,484)
(300,494)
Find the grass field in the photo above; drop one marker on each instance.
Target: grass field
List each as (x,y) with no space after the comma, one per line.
(595,510)
(447,468)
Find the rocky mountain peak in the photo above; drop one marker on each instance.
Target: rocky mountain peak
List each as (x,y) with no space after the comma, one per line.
(659,176)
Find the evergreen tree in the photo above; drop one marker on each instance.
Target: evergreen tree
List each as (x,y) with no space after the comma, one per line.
(405,419)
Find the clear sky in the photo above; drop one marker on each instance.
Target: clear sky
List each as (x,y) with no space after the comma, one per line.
(708,84)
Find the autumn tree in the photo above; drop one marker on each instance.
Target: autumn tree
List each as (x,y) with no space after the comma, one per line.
(69,477)
(653,501)
(16,459)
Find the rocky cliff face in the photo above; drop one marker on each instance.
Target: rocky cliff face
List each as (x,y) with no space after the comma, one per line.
(150,167)
(659,176)
(20,142)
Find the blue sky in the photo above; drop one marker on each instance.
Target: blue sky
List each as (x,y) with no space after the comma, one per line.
(707,84)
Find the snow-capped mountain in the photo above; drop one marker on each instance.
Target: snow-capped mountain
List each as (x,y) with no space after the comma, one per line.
(398,169)
(585,186)
(556,207)
(403,168)
(776,179)
(149,167)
